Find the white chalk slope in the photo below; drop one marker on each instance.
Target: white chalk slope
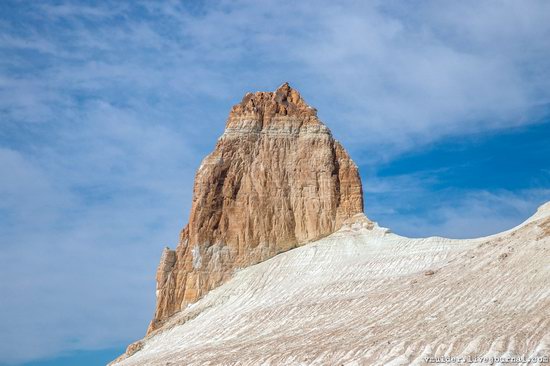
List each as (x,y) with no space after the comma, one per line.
(365,296)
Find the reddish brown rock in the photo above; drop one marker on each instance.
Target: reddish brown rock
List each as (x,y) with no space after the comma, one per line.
(276,180)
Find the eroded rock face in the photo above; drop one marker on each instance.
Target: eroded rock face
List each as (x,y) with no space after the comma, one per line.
(276,179)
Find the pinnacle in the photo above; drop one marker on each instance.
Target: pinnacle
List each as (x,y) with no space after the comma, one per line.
(285,93)
(284,88)
(284,101)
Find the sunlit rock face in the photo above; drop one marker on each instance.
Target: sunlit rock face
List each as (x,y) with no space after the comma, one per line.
(276,179)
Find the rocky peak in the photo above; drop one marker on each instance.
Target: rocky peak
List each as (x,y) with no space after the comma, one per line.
(276,180)
(265,107)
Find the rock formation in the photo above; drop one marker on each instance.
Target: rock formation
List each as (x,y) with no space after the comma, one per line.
(276,180)
(357,293)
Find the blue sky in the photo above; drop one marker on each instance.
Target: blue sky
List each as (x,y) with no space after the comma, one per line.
(107,108)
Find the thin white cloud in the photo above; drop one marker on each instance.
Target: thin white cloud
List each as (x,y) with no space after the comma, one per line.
(478,213)
(379,73)
(410,205)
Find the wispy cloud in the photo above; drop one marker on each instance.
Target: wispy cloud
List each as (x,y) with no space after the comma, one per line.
(394,73)
(413,205)
(106,110)
(474,214)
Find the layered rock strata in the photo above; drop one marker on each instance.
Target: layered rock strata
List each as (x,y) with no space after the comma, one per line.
(276,179)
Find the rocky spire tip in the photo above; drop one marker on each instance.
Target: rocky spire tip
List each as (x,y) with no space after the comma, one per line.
(284,86)
(284,101)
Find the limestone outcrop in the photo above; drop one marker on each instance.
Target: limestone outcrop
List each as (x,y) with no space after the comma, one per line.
(276,179)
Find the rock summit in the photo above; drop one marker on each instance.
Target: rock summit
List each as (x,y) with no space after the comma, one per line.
(276,179)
